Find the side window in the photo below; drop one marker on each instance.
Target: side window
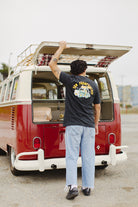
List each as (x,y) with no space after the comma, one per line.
(0,92)
(3,92)
(15,85)
(8,91)
(103,87)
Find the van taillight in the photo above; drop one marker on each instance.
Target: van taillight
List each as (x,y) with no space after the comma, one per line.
(111,138)
(36,142)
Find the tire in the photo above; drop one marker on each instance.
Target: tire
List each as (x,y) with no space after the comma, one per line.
(12,160)
(2,152)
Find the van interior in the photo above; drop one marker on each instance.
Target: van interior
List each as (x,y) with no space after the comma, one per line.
(48,97)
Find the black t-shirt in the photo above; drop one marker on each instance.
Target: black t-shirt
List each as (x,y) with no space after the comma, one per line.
(81,92)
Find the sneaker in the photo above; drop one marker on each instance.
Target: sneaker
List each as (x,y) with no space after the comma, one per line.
(86,191)
(72,193)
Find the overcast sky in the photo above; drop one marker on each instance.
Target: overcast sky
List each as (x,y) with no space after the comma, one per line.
(114,22)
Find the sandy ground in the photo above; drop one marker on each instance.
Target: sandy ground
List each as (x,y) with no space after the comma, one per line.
(114,187)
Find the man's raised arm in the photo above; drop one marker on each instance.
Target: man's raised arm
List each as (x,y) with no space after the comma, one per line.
(53,63)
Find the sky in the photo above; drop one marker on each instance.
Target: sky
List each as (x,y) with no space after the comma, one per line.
(109,22)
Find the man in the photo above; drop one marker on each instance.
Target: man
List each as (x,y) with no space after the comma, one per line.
(81,125)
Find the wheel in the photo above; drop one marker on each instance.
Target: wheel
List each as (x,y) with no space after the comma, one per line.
(2,152)
(12,160)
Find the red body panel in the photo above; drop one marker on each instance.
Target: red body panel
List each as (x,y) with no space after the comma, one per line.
(7,127)
(17,130)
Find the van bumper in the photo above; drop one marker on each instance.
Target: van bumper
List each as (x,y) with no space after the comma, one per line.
(42,164)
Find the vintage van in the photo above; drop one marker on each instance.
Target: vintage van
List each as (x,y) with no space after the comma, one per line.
(32,104)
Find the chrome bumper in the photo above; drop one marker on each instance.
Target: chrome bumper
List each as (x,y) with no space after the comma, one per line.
(42,164)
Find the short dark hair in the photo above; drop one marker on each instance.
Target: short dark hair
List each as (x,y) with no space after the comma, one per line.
(78,67)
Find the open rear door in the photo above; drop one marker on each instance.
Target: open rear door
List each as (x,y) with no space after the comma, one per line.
(93,54)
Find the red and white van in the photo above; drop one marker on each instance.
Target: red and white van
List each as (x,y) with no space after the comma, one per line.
(32,104)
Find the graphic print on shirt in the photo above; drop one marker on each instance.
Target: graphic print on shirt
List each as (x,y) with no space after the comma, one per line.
(83,90)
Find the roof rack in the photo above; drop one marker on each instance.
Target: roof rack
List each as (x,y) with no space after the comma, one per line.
(25,58)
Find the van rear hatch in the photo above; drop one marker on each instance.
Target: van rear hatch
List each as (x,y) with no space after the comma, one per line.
(94,54)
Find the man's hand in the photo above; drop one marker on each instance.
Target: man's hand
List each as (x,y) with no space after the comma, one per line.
(53,63)
(96,129)
(97,108)
(63,44)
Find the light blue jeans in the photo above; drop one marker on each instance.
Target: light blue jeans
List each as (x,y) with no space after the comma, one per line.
(80,138)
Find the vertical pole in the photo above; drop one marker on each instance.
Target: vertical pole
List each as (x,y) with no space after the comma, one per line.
(9,62)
